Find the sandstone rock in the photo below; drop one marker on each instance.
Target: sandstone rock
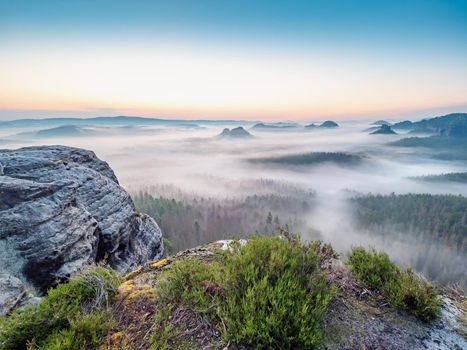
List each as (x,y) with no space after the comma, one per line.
(11,292)
(61,208)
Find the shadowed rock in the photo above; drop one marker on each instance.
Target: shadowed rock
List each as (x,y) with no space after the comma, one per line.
(62,208)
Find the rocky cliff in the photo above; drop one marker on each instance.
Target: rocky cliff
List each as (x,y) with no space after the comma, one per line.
(61,208)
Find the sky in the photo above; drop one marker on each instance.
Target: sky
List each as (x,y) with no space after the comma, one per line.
(269,60)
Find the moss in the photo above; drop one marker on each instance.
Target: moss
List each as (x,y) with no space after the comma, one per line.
(160,263)
(126,286)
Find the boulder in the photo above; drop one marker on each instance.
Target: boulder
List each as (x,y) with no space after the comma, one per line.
(62,208)
(12,291)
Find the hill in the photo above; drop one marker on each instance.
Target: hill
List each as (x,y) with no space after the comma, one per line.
(274,126)
(381,122)
(64,131)
(450,136)
(329,124)
(384,130)
(438,125)
(236,133)
(116,120)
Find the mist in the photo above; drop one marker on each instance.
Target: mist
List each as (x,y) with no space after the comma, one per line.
(191,162)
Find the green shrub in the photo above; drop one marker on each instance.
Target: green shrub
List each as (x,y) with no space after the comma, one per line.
(275,296)
(416,295)
(373,268)
(267,294)
(183,284)
(71,316)
(403,289)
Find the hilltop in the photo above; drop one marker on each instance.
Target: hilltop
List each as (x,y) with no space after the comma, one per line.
(328,124)
(267,292)
(384,129)
(236,133)
(437,125)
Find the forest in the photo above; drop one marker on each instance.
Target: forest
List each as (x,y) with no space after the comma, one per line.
(451,177)
(423,230)
(188,220)
(434,226)
(313,158)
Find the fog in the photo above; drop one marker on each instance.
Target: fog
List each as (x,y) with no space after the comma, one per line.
(191,161)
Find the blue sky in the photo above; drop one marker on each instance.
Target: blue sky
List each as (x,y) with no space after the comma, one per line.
(267,59)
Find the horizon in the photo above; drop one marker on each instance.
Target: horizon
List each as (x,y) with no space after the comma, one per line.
(220,119)
(222,60)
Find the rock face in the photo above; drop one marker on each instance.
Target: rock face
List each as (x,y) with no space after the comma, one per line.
(61,208)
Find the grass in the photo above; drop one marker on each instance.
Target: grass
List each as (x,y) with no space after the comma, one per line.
(268,294)
(74,315)
(402,289)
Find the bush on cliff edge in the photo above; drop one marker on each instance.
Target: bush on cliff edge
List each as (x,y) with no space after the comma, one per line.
(403,289)
(268,294)
(74,315)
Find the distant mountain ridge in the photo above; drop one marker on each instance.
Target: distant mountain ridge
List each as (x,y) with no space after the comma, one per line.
(438,125)
(117,120)
(275,126)
(64,131)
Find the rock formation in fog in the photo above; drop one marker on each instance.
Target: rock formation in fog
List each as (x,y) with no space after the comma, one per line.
(381,122)
(384,129)
(329,124)
(237,133)
(61,208)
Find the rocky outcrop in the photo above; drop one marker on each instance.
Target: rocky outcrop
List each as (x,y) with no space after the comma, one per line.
(236,133)
(384,129)
(329,124)
(61,208)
